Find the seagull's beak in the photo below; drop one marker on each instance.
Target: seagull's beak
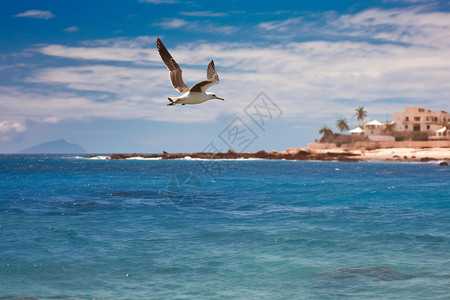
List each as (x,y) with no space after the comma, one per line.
(220,98)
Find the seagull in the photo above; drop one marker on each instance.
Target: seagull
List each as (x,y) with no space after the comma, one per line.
(196,94)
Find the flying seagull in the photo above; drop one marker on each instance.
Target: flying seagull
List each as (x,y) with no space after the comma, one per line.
(194,95)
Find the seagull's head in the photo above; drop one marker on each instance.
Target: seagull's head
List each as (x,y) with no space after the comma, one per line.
(213,96)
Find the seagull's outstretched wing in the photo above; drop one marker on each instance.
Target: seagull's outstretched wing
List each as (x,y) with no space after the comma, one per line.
(175,71)
(211,79)
(211,74)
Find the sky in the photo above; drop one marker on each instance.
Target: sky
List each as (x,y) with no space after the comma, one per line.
(89,71)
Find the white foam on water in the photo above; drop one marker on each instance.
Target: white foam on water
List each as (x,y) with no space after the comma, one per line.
(144,158)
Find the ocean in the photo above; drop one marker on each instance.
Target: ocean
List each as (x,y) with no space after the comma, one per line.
(78,228)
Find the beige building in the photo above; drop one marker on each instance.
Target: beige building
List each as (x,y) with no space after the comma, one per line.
(420,119)
(440,135)
(374,130)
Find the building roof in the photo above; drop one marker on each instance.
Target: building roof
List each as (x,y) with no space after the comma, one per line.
(356,130)
(374,122)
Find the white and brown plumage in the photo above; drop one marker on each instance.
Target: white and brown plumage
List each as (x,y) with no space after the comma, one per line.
(196,94)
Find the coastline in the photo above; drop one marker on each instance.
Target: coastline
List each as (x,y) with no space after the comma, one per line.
(336,154)
(400,154)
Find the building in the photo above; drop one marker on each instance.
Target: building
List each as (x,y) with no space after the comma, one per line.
(420,119)
(373,127)
(374,130)
(440,135)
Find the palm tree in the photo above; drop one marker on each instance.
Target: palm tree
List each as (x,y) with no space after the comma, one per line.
(446,124)
(342,125)
(326,132)
(360,113)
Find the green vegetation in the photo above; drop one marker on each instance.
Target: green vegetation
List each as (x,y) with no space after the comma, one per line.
(388,127)
(419,136)
(360,113)
(338,138)
(342,125)
(327,132)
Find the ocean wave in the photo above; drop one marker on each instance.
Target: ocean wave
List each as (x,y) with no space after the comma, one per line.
(143,158)
(225,159)
(96,157)
(107,157)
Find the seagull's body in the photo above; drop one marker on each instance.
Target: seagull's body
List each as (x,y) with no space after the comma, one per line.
(196,94)
(191,98)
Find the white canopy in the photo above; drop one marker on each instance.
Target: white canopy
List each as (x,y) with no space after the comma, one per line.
(356,130)
(443,129)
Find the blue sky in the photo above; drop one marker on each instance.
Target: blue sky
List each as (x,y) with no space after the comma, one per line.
(89,71)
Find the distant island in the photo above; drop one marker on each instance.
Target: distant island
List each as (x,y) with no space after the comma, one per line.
(54,147)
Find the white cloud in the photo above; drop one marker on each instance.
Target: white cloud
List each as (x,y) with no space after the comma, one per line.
(9,130)
(204,13)
(199,26)
(295,74)
(139,42)
(38,14)
(159,1)
(100,91)
(413,25)
(72,29)
(283,25)
(409,1)
(6,126)
(101,53)
(172,23)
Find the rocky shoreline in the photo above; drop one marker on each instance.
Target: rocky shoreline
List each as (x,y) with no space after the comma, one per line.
(400,154)
(289,154)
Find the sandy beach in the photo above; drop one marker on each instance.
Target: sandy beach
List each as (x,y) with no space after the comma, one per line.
(408,154)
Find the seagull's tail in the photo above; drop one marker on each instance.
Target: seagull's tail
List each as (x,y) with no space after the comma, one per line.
(172,102)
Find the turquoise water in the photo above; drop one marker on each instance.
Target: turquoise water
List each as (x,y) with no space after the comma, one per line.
(75,228)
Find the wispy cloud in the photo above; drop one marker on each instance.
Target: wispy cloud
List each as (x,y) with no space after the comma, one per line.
(38,14)
(412,25)
(410,1)
(72,29)
(205,13)
(199,26)
(172,23)
(283,25)
(159,1)
(106,53)
(138,42)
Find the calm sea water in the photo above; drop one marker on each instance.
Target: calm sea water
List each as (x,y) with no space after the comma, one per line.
(74,228)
